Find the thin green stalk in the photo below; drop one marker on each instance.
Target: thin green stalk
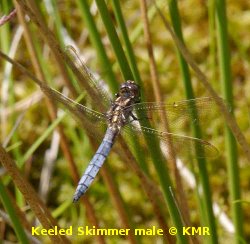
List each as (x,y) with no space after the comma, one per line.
(130,52)
(12,214)
(208,207)
(116,44)
(212,40)
(97,43)
(138,30)
(227,91)
(152,142)
(4,31)
(58,23)
(39,141)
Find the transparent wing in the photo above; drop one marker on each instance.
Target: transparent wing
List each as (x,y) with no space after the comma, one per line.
(82,114)
(182,145)
(88,76)
(178,113)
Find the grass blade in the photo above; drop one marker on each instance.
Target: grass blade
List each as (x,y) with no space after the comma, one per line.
(206,196)
(11,212)
(227,91)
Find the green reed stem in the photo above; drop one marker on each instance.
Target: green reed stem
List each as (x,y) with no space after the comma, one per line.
(19,230)
(206,197)
(212,41)
(95,39)
(227,91)
(116,44)
(124,32)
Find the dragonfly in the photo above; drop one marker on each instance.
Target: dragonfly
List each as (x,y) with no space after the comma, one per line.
(124,113)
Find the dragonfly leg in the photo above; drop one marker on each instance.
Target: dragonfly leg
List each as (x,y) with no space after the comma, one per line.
(133,117)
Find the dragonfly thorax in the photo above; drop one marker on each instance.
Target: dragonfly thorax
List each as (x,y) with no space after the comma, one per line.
(131,90)
(121,109)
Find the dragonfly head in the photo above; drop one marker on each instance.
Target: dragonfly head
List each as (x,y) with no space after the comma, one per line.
(130,89)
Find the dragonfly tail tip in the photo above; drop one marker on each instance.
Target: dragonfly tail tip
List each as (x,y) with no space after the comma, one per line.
(75,199)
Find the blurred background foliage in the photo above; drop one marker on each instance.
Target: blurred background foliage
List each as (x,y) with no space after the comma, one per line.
(117,199)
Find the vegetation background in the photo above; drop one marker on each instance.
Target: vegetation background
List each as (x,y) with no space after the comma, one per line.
(43,156)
